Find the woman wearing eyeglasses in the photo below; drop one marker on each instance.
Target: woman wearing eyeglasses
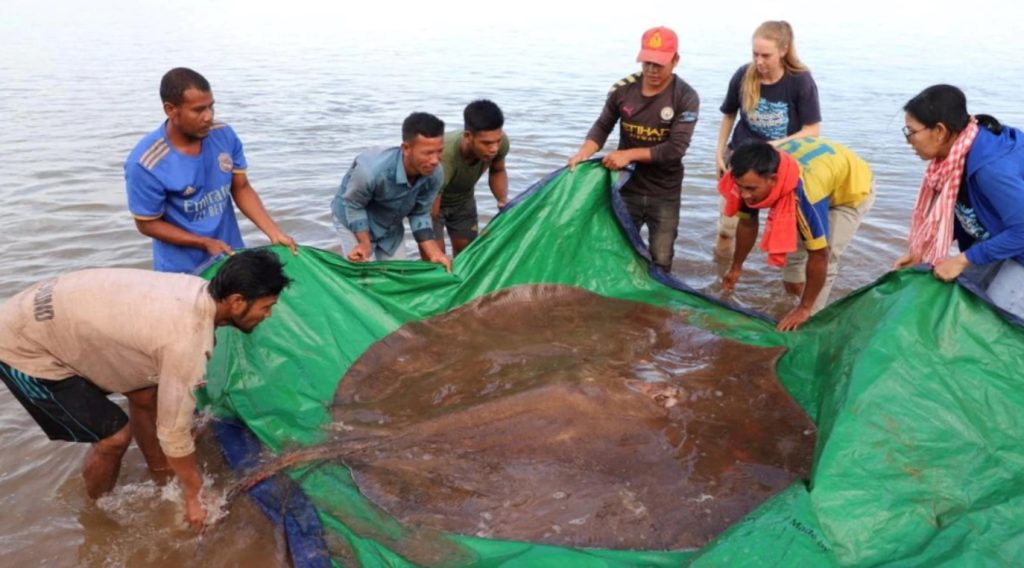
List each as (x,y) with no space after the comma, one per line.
(973,192)
(775,98)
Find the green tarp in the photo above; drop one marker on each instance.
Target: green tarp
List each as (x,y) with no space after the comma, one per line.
(916,387)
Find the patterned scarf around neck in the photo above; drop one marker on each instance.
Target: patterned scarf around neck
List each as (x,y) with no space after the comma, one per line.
(931,226)
(780,229)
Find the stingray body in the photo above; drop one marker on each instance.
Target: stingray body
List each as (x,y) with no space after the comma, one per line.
(548,414)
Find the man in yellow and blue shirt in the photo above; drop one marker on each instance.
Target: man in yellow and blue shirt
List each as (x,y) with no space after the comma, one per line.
(833,192)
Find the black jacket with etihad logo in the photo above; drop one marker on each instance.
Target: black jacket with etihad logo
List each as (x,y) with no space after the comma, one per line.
(664,123)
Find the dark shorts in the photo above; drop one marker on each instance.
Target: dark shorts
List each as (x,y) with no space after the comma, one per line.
(460,220)
(71,409)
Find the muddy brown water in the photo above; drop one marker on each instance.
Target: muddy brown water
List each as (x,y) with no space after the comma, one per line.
(549,414)
(141,524)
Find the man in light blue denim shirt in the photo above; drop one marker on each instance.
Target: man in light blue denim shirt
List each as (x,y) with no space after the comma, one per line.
(384,186)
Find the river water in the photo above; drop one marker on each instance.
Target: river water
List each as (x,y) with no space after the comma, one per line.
(308,88)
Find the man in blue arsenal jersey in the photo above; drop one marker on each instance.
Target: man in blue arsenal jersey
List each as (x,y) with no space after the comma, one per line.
(184,178)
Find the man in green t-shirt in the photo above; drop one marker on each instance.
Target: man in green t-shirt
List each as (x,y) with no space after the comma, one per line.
(480,147)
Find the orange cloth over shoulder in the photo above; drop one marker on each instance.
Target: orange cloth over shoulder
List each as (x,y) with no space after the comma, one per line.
(780,232)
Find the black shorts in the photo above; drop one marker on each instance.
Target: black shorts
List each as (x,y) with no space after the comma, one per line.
(460,220)
(71,409)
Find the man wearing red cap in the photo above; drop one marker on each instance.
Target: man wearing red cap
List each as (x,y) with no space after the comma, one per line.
(816,192)
(657,112)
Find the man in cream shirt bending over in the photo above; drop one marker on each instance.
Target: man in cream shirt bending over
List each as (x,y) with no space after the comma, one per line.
(67,343)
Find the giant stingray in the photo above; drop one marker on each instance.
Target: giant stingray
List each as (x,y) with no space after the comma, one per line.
(550,414)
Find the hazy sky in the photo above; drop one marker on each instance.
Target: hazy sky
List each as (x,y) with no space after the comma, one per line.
(294,20)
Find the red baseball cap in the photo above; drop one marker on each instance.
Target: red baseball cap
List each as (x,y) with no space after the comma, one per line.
(659,45)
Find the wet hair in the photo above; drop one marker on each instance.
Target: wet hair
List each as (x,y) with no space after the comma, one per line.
(421,124)
(482,115)
(254,274)
(177,81)
(946,105)
(781,33)
(755,155)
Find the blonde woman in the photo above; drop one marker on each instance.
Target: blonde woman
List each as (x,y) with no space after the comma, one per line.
(775,97)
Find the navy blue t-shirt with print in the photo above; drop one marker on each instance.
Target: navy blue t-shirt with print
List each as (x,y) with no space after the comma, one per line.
(783,109)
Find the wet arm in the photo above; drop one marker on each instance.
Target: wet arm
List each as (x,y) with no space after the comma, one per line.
(182,367)
(250,204)
(724,131)
(598,133)
(423,226)
(497,179)
(810,130)
(817,265)
(187,471)
(746,234)
(587,149)
(420,217)
(620,158)
(163,231)
(357,194)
